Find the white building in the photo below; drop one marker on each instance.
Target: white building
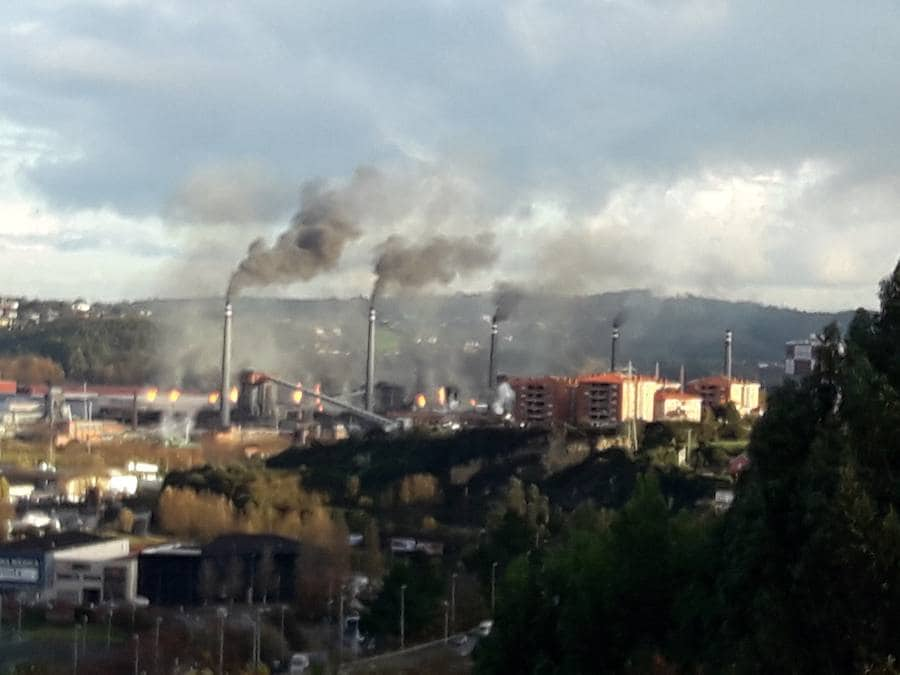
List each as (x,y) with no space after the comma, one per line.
(73,567)
(800,356)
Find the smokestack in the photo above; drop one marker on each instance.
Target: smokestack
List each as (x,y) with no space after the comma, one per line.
(370,362)
(224,397)
(612,351)
(728,340)
(492,376)
(656,372)
(681,377)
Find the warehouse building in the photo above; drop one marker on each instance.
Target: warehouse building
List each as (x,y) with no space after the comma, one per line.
(73,567)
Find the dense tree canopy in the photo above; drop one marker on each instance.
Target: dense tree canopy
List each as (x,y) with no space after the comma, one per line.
(801,576)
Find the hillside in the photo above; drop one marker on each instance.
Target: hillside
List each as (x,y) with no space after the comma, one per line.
(423,341)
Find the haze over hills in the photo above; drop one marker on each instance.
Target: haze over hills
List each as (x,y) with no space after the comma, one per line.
(428,341)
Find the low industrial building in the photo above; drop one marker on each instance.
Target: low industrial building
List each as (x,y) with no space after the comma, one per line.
(73,567)
(226,568)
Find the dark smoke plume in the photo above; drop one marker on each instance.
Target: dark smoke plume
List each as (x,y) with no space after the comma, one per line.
(315,240)
(438,260)
(620,318)
(507,297)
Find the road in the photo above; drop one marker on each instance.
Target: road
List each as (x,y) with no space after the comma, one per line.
(435,657)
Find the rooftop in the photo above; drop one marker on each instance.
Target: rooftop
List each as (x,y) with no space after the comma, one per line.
(52,542)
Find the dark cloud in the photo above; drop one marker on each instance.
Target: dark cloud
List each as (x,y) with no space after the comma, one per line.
(153,107)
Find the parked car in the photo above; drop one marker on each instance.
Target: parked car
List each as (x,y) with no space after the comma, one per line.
(299,664)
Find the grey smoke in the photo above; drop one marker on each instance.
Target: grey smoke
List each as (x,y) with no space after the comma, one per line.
(236,193)
(507,297)
(620,318)
(326,222)
(438,260)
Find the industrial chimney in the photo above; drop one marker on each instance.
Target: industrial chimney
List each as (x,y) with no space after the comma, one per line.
(612,351)
(370,362)
(492,376)
(225,394)
(728,340)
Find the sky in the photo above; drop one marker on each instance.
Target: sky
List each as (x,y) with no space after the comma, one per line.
(740,150)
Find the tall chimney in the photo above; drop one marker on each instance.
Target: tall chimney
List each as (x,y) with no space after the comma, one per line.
(492,376)
(225,394)
(728,340)
(612,351)
(681,377)
(370,362)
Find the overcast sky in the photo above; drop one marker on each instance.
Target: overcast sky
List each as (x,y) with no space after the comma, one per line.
(746,150)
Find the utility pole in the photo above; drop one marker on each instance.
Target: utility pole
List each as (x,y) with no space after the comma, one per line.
(493,587)
(402,616)
(84,634)
(446,621)
(109,616)
(137,654)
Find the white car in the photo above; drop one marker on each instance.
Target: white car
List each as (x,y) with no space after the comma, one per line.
(484,628)
(299,664)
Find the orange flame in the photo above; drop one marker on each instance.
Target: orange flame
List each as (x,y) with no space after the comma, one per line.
(233,395)
(473,402)
(442,396)
(214,398)
(174,395)
(152,394)
(421,401)
(298,395)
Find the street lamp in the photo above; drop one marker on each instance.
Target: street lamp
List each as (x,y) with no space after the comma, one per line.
(75,651)
(446,621)
(493,586)
(222,612)
(283,638)
(109,616)
(453,599)
(402,616)
(156,645)
(340,623)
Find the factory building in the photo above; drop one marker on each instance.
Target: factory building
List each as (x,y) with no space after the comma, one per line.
(226,568)
(718,390)
(73,567)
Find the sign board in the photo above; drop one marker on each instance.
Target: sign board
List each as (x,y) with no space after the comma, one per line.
(20,570)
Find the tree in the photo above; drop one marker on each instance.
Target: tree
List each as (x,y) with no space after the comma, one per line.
(210,581)
(425,589)
(125,521)
(265,573)
(374,560)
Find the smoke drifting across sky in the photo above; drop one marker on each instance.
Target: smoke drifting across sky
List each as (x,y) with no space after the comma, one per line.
(439,260)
